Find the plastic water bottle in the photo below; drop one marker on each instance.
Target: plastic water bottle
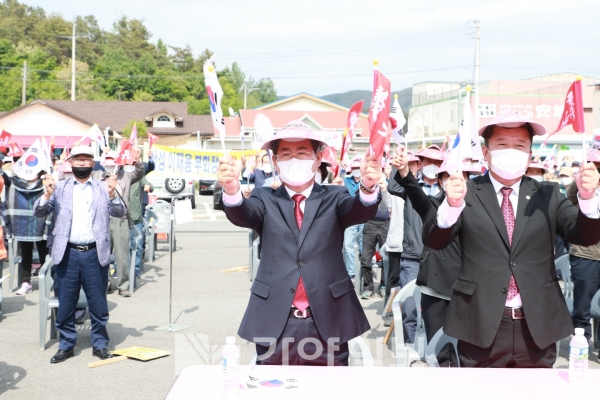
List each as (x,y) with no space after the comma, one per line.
(231,368)
(578,357)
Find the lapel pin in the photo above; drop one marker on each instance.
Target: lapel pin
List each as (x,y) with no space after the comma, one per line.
(527,197)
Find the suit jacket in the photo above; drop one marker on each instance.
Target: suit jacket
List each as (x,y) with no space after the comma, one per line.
(439,268)
(488,260)
(60,206)
(315,252)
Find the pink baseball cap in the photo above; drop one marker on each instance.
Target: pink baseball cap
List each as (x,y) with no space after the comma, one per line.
(537,165)
(593,156)
(412,157)
(433,152)
(513,119)
(355,163)
(293,131)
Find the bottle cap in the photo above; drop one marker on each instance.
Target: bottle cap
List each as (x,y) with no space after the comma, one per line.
(579,331)
(231,339)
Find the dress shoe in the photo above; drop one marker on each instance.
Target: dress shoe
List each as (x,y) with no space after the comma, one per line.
(124,293)
(102,354)
(78,320)
(62,355)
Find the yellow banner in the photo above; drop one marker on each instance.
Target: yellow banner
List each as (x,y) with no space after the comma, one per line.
(180,163)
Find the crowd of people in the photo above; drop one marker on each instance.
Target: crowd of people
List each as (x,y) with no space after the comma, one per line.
(80,213)
(480,243)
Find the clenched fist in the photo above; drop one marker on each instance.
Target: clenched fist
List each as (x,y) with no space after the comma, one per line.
(49,186)
(587,181)
(228,175)
(456,189)
(111,183)
(400,161)
(370,170)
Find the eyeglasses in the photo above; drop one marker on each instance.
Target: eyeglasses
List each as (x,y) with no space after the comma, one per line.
(300,155)
(81,161)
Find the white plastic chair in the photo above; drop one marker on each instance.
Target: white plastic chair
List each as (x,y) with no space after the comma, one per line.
(407,353)
(435,345)
(49,303)
(13,264)
(564,267)
(360,354)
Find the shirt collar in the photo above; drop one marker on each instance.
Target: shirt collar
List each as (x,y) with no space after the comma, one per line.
(423,183)
(89,181)
(305,193)
(498,185)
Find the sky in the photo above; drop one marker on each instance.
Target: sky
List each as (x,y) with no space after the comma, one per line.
(323,46)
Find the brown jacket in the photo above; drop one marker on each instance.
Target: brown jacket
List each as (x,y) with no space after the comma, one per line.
(591,252)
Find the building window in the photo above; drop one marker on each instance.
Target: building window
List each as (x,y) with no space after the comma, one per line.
(164,118)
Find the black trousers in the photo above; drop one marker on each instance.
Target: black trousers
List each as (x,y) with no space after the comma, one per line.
(433,311)
(513,348)
(374,233)
(26,249)
(301,344)
(393,278)
(586,280)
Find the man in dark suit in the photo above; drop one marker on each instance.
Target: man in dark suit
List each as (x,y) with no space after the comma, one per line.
(302,309)
(507,308)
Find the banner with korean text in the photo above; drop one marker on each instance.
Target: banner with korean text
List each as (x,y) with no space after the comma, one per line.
(192,164)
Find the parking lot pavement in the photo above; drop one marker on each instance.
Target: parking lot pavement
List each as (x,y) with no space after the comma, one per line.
(207,296)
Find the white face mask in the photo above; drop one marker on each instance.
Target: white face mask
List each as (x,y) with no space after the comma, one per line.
(509,163)
(129,168)
(538,178)
(267,168)
(110,169)
(431,171)
(356,173)
(444,183)
(318,177)
(296,172)
(565,181)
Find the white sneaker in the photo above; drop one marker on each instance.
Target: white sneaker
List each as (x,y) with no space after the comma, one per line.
(25,288)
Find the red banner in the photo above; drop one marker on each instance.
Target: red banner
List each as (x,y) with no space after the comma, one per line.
(330,156)
(4,140)
(379,113)
(125,156)
(15,150)
(573,110)
(151,139)
(351,121)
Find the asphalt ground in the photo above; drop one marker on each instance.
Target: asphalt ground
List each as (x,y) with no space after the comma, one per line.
(209,296)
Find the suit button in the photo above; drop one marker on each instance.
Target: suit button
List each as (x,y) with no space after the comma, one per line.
(512,264)
(292,290)
(504,290)
(302,264)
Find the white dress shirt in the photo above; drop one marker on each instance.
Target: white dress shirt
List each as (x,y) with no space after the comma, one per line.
(81,227)
(447,216)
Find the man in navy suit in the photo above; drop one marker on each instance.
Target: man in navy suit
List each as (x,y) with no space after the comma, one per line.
(302,309)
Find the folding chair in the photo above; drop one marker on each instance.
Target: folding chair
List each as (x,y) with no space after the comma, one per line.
(49,303)
(360,355)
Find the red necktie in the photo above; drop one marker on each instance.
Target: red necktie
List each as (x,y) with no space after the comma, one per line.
(509,220)
(300,298)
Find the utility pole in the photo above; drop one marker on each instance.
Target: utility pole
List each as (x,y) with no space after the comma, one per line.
(24,89)
(246,92)
(73,62)
(476,77)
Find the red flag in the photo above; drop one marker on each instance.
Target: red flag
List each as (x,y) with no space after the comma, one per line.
(151,139)
(379,113)
(15,150)
(51,147)
(133,138)
(573,111)
(67,153)
(351,121)
(125,156)
(4,140)
(386,147)
(330,156)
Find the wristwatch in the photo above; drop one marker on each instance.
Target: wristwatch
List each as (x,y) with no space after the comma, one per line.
(366,189)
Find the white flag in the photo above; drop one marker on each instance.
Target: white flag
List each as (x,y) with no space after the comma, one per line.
(397,121)
(31,163)
(215,95)
(454,160)
(475,151)
(95,134)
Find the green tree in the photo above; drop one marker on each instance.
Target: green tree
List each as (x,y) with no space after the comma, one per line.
(142,132)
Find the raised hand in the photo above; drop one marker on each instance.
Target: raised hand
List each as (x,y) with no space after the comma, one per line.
(228,175)
(400,161)
(49,186)
(370,170)
(587,181)
(111,183)
(456,189)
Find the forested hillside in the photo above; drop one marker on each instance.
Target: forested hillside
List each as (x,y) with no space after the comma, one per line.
(119,64)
